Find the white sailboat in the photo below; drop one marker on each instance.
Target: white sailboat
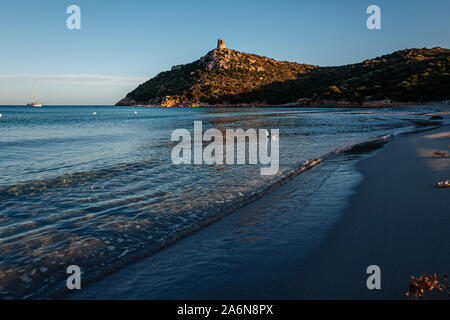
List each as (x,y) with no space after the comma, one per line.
(34,98)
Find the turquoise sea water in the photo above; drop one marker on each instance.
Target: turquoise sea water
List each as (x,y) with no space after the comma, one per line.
(98,190)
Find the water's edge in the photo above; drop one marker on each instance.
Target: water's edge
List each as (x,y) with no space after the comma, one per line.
(362,146)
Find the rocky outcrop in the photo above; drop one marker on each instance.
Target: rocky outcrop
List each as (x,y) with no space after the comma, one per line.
(127,101)
(231,59)
(166,101)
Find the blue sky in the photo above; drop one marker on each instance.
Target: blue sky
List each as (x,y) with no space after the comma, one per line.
(123,43)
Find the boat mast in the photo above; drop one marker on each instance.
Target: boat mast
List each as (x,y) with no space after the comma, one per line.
(37,94)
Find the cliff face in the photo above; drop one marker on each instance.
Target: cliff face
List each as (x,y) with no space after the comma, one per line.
(229,77)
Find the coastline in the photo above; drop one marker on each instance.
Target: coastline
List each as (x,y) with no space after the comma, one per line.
(396,219)
(303,103)
(252,253)
(368,144)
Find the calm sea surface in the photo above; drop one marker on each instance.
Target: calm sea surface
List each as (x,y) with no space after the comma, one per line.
(97,190)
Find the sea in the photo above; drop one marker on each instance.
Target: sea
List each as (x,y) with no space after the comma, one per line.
(95,187)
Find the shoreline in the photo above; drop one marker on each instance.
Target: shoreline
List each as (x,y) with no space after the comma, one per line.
(304,103)
(252,253)
(368,144)
(396,219)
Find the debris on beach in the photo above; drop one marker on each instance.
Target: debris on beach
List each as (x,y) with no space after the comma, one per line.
(427,284)
(442,154)
(443,184)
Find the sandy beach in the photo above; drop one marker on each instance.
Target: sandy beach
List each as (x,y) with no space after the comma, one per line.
(398,219)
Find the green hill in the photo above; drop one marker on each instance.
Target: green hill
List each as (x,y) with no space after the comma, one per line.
(229,77)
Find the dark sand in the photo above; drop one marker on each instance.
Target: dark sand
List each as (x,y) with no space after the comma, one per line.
(398,219)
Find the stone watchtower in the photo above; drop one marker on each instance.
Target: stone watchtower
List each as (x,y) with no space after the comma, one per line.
(220,44)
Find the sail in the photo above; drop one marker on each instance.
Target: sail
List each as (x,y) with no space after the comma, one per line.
(34,98)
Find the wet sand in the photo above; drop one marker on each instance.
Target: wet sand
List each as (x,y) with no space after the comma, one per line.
(398,219)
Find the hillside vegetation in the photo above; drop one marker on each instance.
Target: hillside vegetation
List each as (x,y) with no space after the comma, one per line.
(229,77)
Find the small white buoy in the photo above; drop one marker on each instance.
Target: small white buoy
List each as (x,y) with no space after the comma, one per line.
(1,115)
(135,112)
(94,113)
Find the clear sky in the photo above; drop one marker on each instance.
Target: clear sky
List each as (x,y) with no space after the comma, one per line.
(123,43)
